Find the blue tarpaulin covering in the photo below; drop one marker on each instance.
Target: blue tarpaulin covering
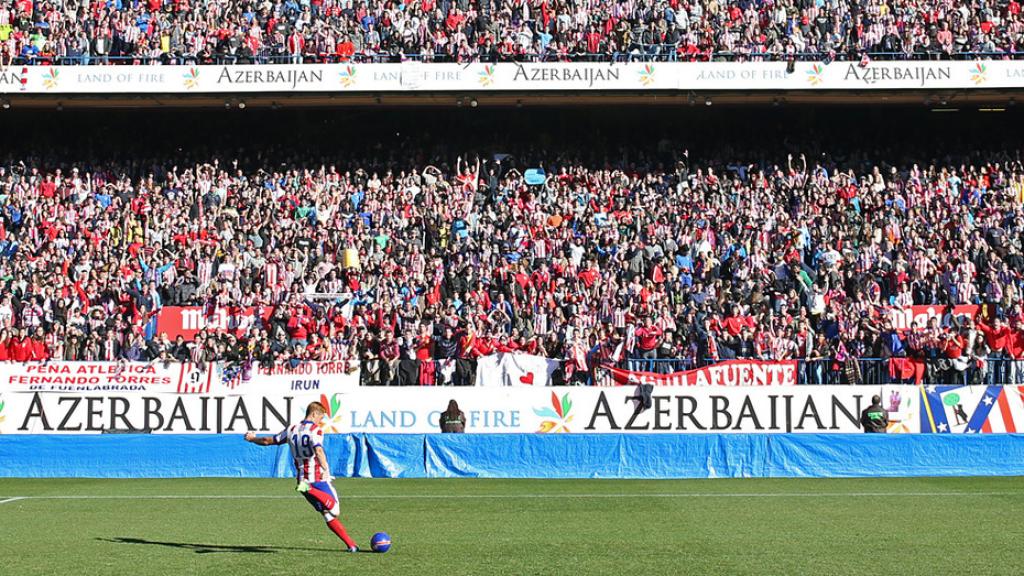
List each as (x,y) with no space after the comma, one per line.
(523,456)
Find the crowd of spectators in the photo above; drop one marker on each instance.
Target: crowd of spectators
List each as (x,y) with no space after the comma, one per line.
(207,31)
(653,251)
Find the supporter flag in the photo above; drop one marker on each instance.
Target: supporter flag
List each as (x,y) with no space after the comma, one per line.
(445,370)
(487,371)
(1005,411)
(233,375)
(513,369)
(972,409)
(906,369)
(578,355)
(534,176)
(194,379)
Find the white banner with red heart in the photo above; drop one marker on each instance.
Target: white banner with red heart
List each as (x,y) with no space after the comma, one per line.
(513,369)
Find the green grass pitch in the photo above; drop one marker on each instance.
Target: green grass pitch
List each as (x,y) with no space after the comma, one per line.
(545,527)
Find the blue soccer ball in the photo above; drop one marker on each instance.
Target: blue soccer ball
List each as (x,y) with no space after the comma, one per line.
(380,542)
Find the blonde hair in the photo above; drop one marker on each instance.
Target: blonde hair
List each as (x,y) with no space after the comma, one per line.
(315,409)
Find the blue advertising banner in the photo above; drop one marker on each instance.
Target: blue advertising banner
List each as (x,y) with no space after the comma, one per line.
(523,456)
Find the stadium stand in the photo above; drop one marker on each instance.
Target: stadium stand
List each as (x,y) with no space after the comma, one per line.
(183,31)
(356,240)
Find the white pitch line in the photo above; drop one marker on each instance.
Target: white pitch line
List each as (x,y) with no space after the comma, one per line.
(524,496)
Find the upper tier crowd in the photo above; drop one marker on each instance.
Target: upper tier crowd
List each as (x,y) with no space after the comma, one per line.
(589,262)
(219,31)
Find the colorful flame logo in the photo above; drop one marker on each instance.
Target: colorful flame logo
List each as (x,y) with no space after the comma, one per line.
(50,78)
(487,76)
(647,75)
(979,74)
(331,424)
(348,76)
(814,74)
(558,414)
(191,78)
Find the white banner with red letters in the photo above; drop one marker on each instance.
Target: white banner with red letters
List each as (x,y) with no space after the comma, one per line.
(177,378)
(728,373)
(100,377)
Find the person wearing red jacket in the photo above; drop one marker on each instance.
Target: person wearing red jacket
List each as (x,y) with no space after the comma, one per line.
(506,344)
(38,350)
(468,343)
(299,326)
(1015,349)
(483,346)
(648,338)
(424,346)
(345,49)
(953,344)
(998,337)
(20,347)
(296,47)
(735,322)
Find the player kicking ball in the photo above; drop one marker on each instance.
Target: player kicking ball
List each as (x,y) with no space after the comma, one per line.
(305,440)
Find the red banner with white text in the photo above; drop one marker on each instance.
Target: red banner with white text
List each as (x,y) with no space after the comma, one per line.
(729,373)
(904,316)
(187,321)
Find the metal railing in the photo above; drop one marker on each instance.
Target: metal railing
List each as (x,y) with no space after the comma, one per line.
(654,53)
(814,371)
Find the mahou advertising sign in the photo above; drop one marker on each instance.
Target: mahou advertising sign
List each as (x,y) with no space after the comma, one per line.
(187,321)
(903,318)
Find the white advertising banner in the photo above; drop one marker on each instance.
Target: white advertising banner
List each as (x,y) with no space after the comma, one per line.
(158,413)
(93,397)
(822,409)
(480,77)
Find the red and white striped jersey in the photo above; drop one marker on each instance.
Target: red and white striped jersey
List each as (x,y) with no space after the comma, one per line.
(303,439)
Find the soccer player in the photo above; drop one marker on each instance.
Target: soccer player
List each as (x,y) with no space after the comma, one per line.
(313,474)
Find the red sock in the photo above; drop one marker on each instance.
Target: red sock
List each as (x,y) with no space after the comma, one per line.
(338,529)
(325,499)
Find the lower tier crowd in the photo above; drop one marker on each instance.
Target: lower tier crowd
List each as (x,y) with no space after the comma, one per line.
(423,252)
